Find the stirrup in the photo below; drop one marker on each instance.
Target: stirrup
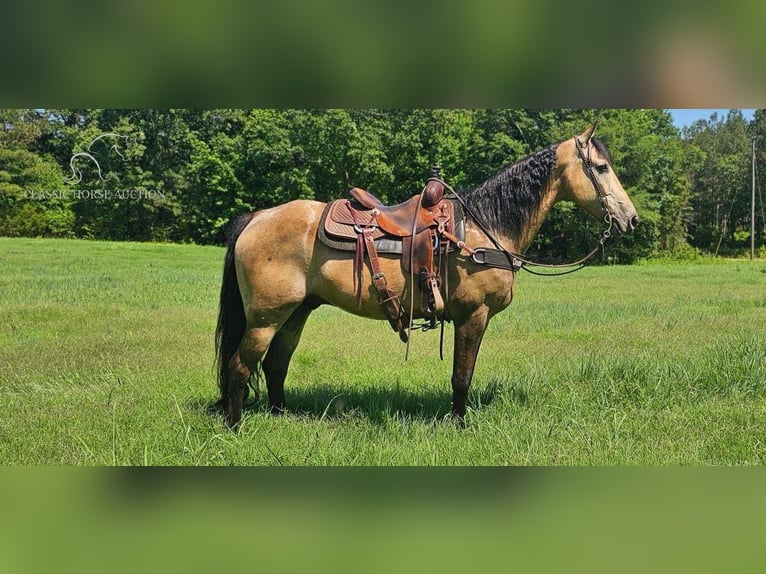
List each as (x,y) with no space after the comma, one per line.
(433,303)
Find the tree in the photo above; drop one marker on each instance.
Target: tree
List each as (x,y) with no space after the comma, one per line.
(31,201)
(654,168)
(195,169)
(721,181)
(757,131)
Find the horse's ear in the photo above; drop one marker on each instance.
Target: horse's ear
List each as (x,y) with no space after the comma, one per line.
(587,134)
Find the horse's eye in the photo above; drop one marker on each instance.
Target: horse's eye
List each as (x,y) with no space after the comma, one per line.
(602,168)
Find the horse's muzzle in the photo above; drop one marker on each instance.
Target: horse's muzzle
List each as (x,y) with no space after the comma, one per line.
(627,224)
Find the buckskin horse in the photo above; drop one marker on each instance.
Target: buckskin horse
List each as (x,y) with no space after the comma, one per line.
(277,270)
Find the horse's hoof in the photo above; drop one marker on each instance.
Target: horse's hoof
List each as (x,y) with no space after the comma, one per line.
(458,420)
(233,423)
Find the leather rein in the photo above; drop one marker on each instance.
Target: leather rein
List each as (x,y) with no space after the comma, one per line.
(504,259)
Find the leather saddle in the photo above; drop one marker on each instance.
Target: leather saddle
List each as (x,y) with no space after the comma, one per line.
(422,226)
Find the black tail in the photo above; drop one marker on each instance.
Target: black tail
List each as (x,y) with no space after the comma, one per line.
(231,314)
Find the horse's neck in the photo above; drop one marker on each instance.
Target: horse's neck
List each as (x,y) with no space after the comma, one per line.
(528,234)
(518,243)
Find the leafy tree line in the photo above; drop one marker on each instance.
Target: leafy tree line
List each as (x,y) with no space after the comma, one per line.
(180,175)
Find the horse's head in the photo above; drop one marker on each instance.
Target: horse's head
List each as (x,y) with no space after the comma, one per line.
(589,180)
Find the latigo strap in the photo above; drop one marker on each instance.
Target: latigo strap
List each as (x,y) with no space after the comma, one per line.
(390,301)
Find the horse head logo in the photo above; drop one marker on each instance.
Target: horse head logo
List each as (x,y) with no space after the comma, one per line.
(89,155)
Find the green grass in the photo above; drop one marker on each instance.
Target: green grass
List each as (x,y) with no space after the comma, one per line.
(106,358)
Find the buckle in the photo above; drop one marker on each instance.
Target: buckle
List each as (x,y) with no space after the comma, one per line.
(369,228)
(479,251)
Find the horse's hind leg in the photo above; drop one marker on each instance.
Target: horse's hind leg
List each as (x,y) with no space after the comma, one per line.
(239,374)
(280,352)
(254,344)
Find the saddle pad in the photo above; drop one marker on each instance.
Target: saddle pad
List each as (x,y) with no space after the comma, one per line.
(339,220)
(336,235)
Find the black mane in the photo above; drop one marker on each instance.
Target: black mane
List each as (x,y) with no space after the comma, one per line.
(507,201)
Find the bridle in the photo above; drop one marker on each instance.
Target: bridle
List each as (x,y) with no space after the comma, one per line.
(504,259)
(587,166)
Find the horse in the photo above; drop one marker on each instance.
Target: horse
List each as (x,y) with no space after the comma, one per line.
(276,271)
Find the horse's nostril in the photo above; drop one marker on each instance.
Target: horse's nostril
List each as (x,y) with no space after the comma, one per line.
(633,222)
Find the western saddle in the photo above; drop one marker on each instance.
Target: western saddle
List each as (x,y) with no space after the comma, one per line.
(418,228)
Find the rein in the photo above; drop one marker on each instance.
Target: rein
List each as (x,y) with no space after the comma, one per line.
(504,259)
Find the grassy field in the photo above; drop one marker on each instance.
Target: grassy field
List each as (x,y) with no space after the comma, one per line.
(106,358)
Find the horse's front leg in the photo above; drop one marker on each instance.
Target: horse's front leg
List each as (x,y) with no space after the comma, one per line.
(468,335)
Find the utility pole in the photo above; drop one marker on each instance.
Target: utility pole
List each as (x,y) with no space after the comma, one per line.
(752,211)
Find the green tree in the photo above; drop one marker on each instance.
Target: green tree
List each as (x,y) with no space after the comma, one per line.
(757,131)
(654,168)
(271,167)
(198,168)
(31,202)
(421,139)
(721,181)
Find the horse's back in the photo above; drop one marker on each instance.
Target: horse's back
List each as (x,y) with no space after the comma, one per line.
(281,223)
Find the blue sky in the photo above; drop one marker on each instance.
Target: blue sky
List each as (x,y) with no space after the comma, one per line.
(686,117)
